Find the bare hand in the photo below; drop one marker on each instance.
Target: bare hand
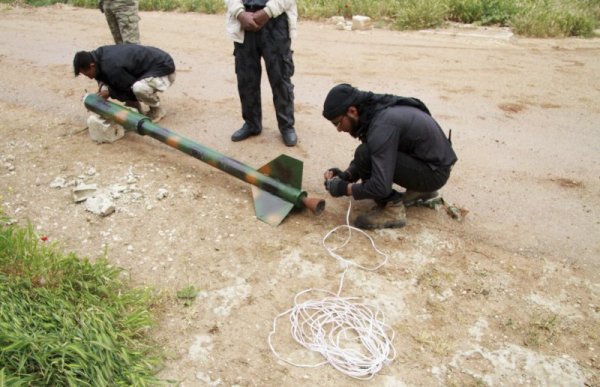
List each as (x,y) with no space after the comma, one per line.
(247,21)
(103,93)
(260,18)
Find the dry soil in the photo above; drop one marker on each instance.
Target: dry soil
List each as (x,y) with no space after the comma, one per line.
(509,295)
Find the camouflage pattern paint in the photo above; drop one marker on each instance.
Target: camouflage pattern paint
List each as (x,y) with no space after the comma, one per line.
(278,182)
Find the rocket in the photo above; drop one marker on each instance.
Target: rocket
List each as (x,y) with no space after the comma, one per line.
(275,186)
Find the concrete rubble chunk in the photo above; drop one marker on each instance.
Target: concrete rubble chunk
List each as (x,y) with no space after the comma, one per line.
(58,182)
(100,205)
(361,23)
(335,20)
(83,191)
(162,193)
(102,130)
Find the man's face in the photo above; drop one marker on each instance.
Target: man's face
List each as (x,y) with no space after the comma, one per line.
(347,122)
(90,72)
(340,124)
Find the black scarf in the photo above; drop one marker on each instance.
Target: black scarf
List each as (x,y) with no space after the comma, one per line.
(369,104)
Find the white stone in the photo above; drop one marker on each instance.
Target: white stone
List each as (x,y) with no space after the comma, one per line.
(83,191)
(162,193)
(361,23)
(100,205)
(58,182)
(101,130)
(336,20)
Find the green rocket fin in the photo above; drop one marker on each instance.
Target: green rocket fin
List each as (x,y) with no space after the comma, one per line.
(269,208)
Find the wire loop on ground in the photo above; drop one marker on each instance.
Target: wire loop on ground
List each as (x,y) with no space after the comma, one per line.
(348,332)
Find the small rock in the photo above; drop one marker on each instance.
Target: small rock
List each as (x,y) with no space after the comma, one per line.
(99,205)
(58,182)
(361,23)
(83,191)
(162,193)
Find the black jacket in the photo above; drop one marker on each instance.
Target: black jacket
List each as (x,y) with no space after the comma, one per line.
(401,129)
(120,66)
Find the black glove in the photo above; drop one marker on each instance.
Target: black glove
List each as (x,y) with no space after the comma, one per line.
(101,6)
(344,175)
(337,187)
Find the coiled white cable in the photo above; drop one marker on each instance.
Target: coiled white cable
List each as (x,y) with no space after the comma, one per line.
(348,332)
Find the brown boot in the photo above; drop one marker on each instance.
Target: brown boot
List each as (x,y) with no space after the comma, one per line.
(156,113)
(392,215)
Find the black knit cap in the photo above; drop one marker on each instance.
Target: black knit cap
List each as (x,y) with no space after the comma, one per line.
(338,100)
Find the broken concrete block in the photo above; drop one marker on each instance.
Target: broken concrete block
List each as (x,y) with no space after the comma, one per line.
(83,191)
(100,205)
(101,130)
(361,23)
(335,20)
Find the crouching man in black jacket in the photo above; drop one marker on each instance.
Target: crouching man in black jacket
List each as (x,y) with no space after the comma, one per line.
(129,73)
(401,144)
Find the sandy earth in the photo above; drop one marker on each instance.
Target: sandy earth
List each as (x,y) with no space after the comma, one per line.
(510,295)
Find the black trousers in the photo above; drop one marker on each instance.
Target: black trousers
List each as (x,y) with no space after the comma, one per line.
(410,173)
(273,44)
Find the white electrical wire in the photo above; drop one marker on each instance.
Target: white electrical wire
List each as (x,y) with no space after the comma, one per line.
(348,332)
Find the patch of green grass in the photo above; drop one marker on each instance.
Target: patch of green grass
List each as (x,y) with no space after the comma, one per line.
(547,19)
(536,18)
(65,321)
(420,14)
(432,342)
(188,295)
(541,330)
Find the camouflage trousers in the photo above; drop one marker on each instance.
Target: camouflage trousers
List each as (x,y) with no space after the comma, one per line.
(122,17)
(272,43)
(146,89)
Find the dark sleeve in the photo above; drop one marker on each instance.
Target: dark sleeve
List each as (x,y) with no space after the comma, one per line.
(382,141)
(353,172)
(119,81)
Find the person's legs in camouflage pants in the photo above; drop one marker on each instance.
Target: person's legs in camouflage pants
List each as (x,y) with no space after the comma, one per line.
(146,91)
(123,20)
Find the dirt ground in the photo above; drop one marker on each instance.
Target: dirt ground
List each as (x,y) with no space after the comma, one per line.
(510,295)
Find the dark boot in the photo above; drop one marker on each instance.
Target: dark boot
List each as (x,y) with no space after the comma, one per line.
(244,132)
(412,198)
(289,137)
(392,215)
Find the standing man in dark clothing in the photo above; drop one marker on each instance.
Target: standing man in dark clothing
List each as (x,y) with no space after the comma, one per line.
(263,29)
(401,144)
(129,73)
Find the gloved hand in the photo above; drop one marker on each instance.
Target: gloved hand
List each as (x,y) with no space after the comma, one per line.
(337,187)
(341,174)
(101,6)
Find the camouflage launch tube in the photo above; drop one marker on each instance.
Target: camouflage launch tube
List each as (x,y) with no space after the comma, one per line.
(279,179)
